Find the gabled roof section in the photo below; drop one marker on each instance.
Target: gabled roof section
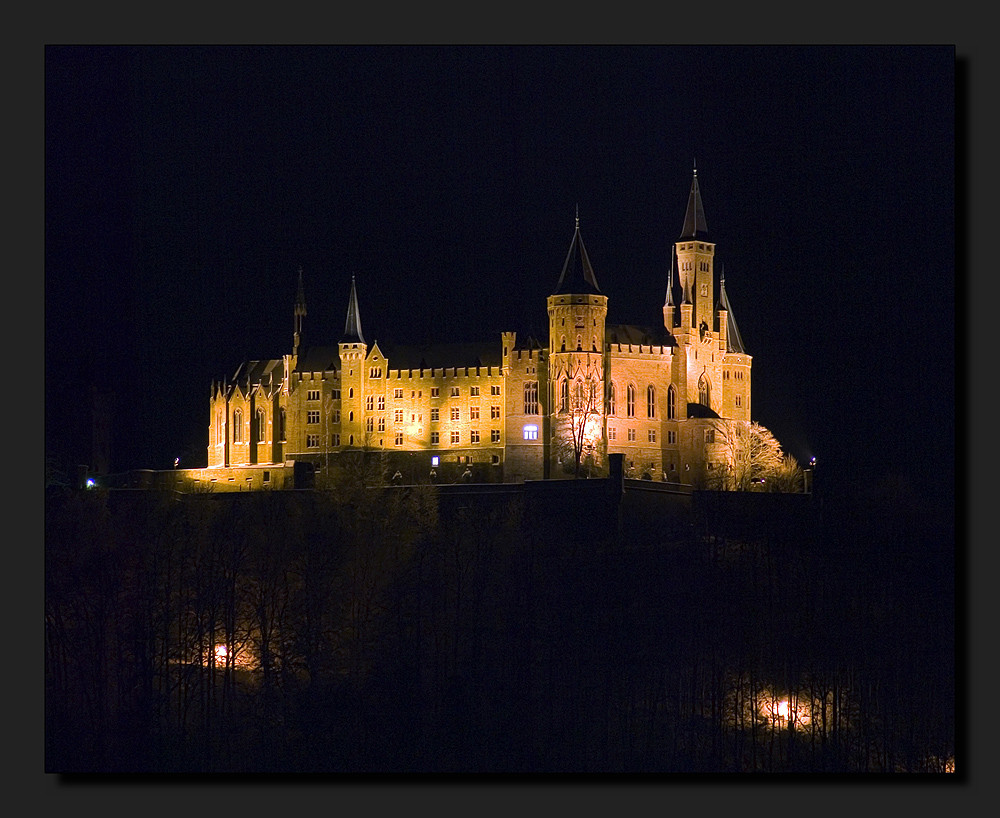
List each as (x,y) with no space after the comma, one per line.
(352,327)
(577,273)
(636,335)
(318,359)
(695,226)
(734,343)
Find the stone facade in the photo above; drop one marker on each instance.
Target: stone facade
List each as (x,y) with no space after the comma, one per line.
(515,409)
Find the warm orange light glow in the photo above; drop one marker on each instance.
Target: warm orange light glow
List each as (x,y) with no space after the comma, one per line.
(220,654)
(783,710)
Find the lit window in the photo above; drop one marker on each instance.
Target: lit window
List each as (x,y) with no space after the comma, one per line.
(435,460)
(531,432)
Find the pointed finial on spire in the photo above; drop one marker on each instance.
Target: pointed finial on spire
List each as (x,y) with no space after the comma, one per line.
(694,164)
(577,215)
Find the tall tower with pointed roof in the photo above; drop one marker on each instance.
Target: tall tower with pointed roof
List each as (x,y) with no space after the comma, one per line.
(695,254)
(353,352)
(577,370)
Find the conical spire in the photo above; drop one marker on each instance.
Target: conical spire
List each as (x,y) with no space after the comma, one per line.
(577,275)
(670,282)
(734,343)
(300,296)
(695,226)
(352,328)
(299,313)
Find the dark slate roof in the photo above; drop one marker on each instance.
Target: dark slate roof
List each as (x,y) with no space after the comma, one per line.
(695,226)
(266,372)
(352,327)
(439,356)
(577,273)
(318,359)
(635,335)
(734,343)
(699,410)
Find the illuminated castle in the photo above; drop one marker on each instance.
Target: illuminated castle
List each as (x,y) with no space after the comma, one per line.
(512,409)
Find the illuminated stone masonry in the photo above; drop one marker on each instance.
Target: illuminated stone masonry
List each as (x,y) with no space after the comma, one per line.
(512,410)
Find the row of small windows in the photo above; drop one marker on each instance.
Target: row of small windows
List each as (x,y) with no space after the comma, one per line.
(630,401)
(650,435)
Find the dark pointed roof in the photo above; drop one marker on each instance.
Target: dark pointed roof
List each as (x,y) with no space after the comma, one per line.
(577,275)
(300,296)
(695,226)
(734,343)
(669,302)
(352,327)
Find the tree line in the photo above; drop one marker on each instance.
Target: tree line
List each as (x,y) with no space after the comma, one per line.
(373,630)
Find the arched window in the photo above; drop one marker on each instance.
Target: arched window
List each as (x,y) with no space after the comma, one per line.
(651,401)
(704,391)
(260,425)
(531,398)
(630,401)
(237,426)
(281,423)
(562,348)
(220,427)
(564,395)
(611,399)
(671,403)
(579,395)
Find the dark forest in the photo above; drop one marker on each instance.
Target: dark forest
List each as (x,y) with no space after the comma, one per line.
(380,631)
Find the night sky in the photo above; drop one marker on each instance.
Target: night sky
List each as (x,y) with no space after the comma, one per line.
(186,186)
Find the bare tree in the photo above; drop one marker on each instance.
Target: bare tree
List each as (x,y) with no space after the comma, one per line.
(750,454)
(578,433)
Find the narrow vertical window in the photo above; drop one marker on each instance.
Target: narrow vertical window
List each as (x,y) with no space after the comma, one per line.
(260,425)
(612,399)
(238,426)
(651,401)
(630,401)
(671,402)
(531,398)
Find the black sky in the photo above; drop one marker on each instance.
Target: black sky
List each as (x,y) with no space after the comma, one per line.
(185,187)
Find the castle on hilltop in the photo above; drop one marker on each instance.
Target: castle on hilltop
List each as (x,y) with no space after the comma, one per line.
(508,410)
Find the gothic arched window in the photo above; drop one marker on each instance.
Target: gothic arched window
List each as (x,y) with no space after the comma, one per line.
(651,401)
(260,424)
(671,402)
(704,391)
(281,423)
(611,399)
(564,395)
(630,401)
(237,426)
